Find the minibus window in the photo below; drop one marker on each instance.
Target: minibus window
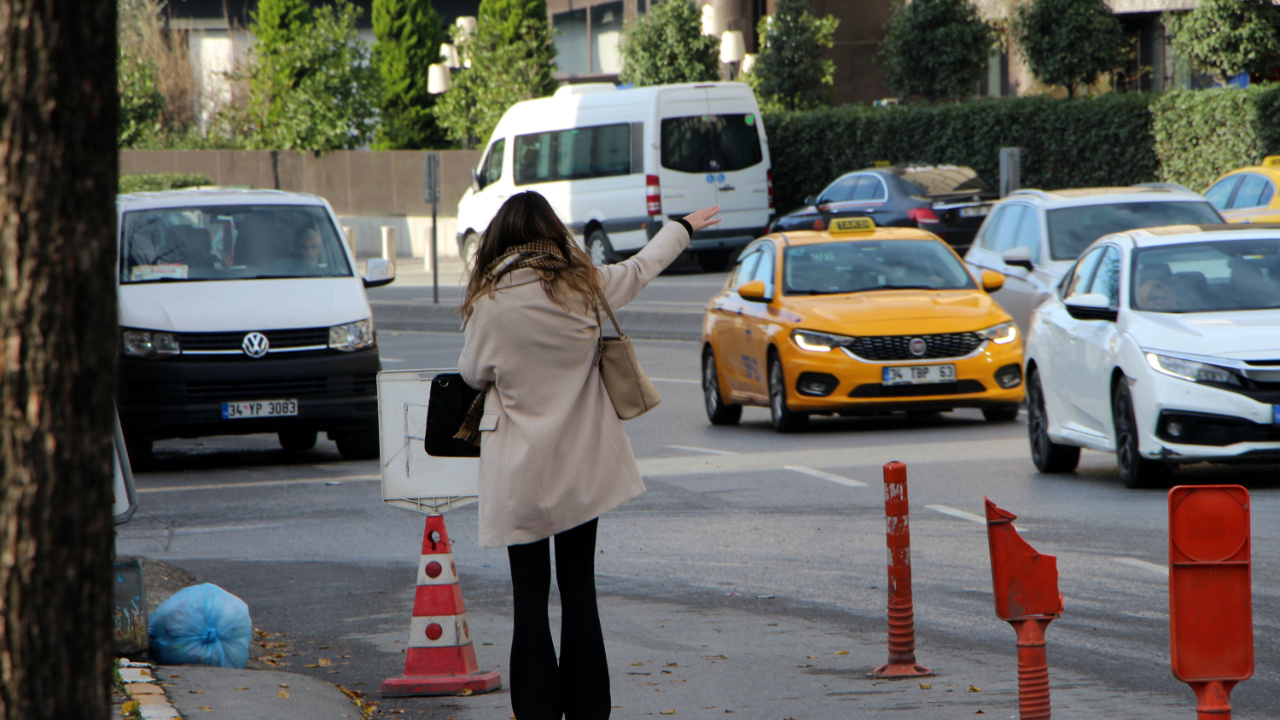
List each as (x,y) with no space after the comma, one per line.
(710,143)
(575,154)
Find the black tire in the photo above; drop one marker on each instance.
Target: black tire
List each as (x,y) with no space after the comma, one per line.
(469,245)
(1001,413)
(359,444)
(714,260)
(1135,470)
(1048,456)
(599,248)
(297,440)
(783,418)
(718,411)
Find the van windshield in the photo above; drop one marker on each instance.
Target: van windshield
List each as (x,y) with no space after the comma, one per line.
(230,242)
(710,143)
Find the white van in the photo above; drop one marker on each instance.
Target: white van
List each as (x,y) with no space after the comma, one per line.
(241,312)
(616,164)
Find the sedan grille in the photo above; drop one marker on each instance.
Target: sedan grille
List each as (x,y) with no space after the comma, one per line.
(898,347)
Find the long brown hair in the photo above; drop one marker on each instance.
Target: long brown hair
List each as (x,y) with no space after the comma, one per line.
(523,218)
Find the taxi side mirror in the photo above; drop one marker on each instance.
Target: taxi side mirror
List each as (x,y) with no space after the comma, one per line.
(992,280)
(753,291)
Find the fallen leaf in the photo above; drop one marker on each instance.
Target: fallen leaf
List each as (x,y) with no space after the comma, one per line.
(284,685)
(175,677)
(129,707)
(241,688)
(666,712)
(974,689)
(283,693)
(979,713)
(322,647)
(205,708)
(810,657)
(196,692)
(465,692)
(636,664)
(312,665)
(925,686)
(843,652)
(325,662)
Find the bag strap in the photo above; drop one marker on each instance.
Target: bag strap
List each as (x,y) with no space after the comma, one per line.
(612,319)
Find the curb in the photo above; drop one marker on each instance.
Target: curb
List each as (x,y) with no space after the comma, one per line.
(146,696)
(429,317)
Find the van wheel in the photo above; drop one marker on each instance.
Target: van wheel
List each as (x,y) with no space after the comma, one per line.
(469,245)
(359,444)
(599,248)
(714,260)
(297,440)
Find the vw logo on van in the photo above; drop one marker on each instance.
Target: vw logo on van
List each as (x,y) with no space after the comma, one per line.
(255,345)
(917,346)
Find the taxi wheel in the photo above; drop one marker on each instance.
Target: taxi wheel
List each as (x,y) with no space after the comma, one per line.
(784,420)
(718,411)
(599,248)
(1135,470)
(295,440)
(1048,456)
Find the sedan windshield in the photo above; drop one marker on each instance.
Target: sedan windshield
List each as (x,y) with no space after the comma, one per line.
(230,242)
(1072,229)
(858,266)
(1207,277)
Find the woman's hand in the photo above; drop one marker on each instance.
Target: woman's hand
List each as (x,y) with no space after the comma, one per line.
(705,217)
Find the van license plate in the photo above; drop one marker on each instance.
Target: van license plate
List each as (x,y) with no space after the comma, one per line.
(259,408)
(919,374)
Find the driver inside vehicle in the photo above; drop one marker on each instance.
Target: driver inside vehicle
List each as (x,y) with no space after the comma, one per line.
(308,248)
(1157,296)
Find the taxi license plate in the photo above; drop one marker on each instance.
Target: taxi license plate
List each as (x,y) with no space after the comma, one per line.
(258,409)
(975,211)
(919,374)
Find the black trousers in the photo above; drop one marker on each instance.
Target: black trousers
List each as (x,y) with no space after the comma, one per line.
(577,687)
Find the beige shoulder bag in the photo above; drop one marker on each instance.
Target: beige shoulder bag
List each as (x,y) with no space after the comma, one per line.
(629,388)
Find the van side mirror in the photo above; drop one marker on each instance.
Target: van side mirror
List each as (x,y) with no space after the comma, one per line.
(379,272)
(1091,306)
(1018,257)
(753,291)
(992,280)
(475,180)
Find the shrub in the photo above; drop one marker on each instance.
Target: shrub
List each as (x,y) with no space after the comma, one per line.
(935,49)
(1071,42)
(148,182)
(792,71)
(666,45)
(1200,134)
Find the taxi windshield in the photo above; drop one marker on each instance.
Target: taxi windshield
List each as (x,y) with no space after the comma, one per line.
(865,265)
(1207,277)
(230,242)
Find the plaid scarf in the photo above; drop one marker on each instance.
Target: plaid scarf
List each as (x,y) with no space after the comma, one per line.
(541,255)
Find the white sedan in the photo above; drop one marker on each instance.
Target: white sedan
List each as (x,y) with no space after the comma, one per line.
(1162,346)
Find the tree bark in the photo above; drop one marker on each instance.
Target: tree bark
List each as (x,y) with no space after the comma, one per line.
(58,172)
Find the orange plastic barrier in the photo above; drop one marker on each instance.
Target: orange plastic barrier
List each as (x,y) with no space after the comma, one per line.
(902,631)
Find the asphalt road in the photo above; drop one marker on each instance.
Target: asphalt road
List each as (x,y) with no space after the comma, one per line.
(750,579)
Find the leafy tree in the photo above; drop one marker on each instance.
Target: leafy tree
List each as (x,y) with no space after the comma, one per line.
(511,58)
(1070,42)
(667,46)
(315,93)
(140,99)
(276,23)
(935,48)
(1229,37)
(409,36)
(790,71)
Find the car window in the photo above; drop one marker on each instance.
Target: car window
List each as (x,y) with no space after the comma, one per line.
(867,265)
(1006,236)
(869,188)
(710,143)
(839,191)
(1254,192)
(1207,276)
(746,266)
(1220,194)
(1072,229)
(1028,234)
(991,228)
(1082,276)
(577,153)
(763,270)
(492,167)
(1106,280)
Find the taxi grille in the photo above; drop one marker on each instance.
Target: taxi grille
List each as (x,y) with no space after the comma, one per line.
(897,347)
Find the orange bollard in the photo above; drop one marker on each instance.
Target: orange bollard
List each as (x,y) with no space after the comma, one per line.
(1027,597)
(1210,593)
(902,632)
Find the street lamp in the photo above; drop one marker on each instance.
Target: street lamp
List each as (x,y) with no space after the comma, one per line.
(732,49)
(438,79)
(449,56)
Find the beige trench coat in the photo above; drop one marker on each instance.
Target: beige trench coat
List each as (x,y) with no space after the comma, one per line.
(553,453)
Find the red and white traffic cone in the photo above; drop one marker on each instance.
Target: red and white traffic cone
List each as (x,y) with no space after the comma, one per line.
(441,659)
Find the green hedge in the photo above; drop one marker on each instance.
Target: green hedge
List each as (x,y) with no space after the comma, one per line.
(161,181)
(1105,140)
(1200,134)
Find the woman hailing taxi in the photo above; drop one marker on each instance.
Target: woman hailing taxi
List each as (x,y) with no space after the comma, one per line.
(553,453)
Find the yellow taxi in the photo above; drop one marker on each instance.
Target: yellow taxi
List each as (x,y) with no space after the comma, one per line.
(1248,194)
(854,320)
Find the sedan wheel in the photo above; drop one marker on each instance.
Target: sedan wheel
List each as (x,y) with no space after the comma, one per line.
(784,420)
(1135,470)
(1048,456)
(718,411)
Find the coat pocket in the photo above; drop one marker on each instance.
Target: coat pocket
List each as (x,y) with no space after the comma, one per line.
(489,422)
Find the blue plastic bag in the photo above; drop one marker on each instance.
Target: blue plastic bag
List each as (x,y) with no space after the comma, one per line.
(201,625)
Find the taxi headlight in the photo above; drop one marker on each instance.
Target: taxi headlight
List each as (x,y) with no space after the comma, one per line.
(816,341)
(148,344)
(1002,334)
(1191,370)
(352,336)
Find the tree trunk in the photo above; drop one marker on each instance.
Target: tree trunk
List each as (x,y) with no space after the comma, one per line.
(58,168)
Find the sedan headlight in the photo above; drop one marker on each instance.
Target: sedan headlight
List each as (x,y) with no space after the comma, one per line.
(1001,334)
(148,344)
(352,336)
(1191,370)
(818,342)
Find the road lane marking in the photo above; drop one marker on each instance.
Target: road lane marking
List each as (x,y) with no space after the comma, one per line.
(708,451)
(958,513)
(677,380)
(264,483)
(1144,565)
(847,482)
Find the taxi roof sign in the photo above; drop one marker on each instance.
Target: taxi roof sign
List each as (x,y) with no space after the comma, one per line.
(1271,161)
(852,225)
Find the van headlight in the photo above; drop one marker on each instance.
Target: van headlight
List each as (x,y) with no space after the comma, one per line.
(1002,334)
(1191,370)
(148,344)
(352,336)
(818,342)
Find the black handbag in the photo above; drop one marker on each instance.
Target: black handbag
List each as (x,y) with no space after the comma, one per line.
(447,408)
